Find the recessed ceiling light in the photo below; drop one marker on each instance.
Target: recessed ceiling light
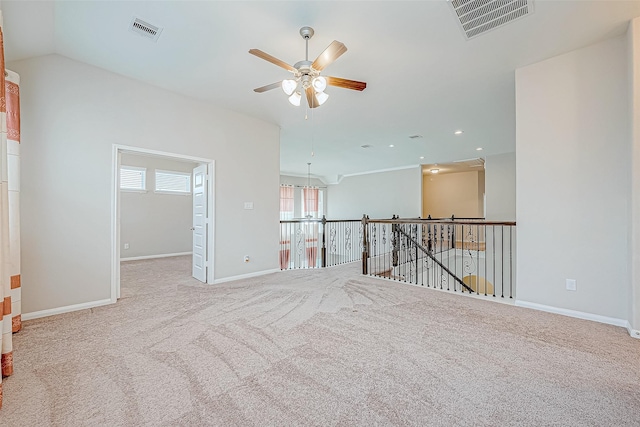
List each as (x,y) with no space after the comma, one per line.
(479,149)
(435,170)
(458,132)
(391,145)
(421,157)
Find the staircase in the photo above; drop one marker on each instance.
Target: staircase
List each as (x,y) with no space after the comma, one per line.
(467,256)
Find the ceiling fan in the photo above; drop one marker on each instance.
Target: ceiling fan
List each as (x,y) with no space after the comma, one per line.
(306,74)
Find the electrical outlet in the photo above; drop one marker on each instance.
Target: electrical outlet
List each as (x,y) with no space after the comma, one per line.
(246,258)
(126,246)
(571,285)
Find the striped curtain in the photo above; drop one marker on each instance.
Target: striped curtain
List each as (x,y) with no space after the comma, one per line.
(9,212)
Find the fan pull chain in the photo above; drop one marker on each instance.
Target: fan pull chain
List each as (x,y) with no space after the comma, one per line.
(312,133)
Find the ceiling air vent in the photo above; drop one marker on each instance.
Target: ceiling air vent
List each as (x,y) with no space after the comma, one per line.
(415,136)
(145,29)
(479,16)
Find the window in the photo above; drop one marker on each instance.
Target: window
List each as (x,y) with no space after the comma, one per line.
(312,203)
(173,182)
(286,202)
(133,178)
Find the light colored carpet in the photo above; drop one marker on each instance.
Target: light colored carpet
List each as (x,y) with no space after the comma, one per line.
(319,347)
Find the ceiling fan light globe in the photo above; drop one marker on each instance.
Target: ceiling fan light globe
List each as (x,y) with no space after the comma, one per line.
(319,84)
(289,86)
(321,97)
(294,99)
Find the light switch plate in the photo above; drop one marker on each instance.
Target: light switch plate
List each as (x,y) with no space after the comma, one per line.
(248,205)
(572,285)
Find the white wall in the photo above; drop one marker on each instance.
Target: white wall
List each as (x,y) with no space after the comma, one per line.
(72,114)
(459,193)
(379,195)
(155,223)
(500,187)
(633,59)
(572,171)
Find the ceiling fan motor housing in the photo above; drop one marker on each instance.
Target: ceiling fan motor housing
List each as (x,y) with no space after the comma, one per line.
(306,32)
(304,67)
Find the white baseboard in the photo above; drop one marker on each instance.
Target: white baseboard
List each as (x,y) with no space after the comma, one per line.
(633,332)
(573,313)
(136,258)
(65,309)
(245,276)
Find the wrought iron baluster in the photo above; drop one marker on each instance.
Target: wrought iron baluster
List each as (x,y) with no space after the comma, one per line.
(493,232)
(510,262)
(455,251)
(374,233)
(486,252)
(333,248)
(502,261)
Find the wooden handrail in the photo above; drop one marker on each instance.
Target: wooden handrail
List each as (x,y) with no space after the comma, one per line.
(431,221)
(297,220)
(406,221)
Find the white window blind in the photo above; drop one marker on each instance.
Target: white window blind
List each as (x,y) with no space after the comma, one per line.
(173,182)
(133,178)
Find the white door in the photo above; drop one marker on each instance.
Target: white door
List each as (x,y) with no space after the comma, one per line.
(199,270)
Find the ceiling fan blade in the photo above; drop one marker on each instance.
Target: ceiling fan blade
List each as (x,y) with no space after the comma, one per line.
(268,87)
(346,83)
(330,54)
(272,59)
(311,98)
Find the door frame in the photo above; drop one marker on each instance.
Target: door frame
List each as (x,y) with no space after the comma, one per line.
(117,150)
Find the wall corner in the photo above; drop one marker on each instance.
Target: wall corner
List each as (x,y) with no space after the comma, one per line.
(633,56)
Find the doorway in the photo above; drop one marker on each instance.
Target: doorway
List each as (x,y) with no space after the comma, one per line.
(170,175)
(456,189)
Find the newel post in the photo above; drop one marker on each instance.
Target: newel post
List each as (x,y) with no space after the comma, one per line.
(452,238)
(395,242)
(365,245)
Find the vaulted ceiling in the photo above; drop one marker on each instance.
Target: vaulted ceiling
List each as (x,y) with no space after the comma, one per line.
(424,78)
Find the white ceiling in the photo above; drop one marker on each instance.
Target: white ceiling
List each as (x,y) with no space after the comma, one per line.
(423,77)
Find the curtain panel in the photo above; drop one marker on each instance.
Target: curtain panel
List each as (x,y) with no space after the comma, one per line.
(310,196)
(10,291)
(286,199)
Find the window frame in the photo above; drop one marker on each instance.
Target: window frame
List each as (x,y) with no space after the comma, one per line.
(143,189)
(188,175)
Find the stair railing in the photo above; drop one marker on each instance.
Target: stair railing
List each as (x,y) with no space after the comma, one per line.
(319,242)
(460,255)
(469,256)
